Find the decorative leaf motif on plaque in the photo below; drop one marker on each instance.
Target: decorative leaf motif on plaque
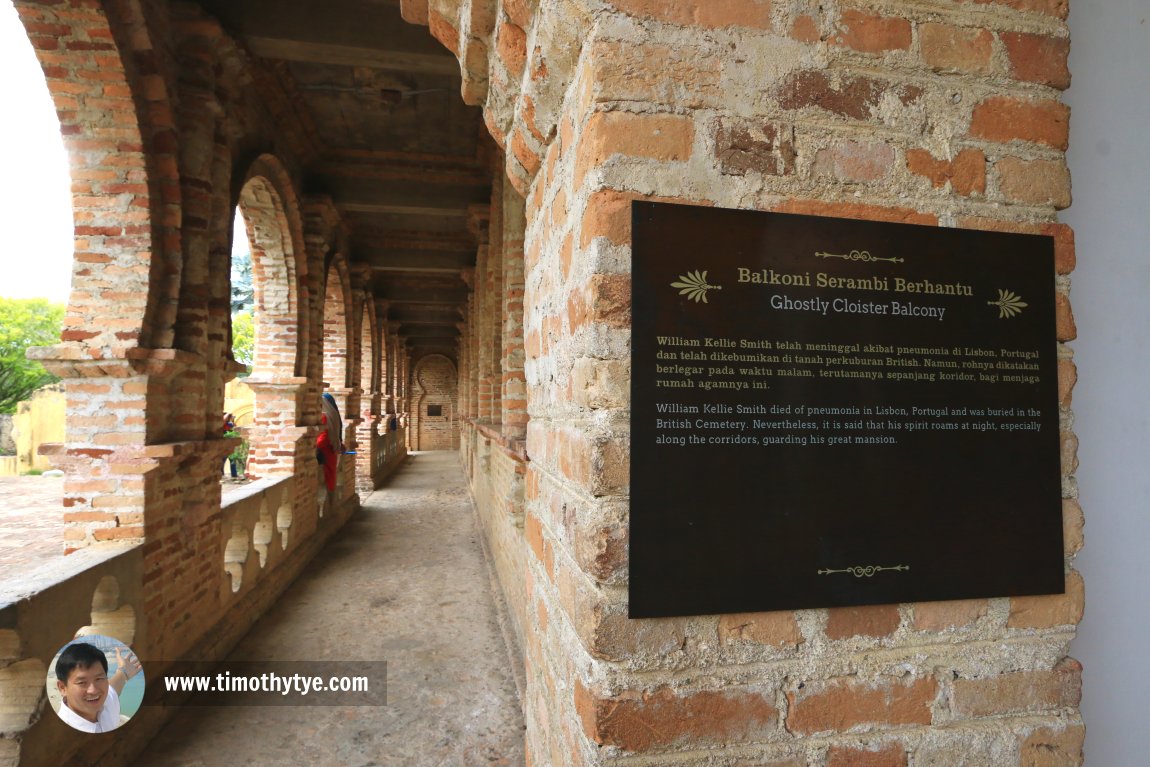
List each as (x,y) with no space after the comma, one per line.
(694,286)
(859,255)
(865,571)
(1009,304)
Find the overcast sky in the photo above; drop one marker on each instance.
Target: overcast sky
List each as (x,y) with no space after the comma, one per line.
(35,190)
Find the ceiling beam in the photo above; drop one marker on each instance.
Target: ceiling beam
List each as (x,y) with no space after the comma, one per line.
(423,332)
(350,56)
(415,260)
(401,210)
(403,294)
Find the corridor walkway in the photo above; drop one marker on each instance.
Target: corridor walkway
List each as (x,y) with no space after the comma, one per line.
(403,582)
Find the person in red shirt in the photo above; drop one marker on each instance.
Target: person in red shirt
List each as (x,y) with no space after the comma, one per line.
(329,443)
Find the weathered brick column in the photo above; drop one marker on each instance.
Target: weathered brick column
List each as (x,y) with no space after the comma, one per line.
(481,314)
(514,383)
(949,116)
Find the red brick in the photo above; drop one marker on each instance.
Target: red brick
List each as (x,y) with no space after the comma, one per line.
(1067,377)
(1050,747)
(1064,325)
(947,48)
(855,161)
(1034,182)
(744,146)
(777,629)
(752,14)
(117,533)
(889,755)
(603,552)
(1069,449)
(855,97)
(512,48)
(519,11)
(855,210)
(658,137)
(1038,58)
(615,637)
(1020,692)
(839,705)
(443,31)
(610,299)
(608,214)
(641,721)
(869,33)
(527,157)
(755,14)
(805,30)
(940,616)
(1072,524)
(869,621)
(1050,610)
(1004,119)
(966,172)
(529,119)
(627,72)
(1055,8)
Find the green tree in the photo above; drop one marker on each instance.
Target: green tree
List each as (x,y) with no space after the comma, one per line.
(23,323)
(244,337)
(243,285)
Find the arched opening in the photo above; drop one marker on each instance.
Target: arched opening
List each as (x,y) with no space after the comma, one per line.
(273,280)
(435,422)
(239,399)
(369,369)
(269,215)
(36,242)
(337,336)
(68,222)
(336,313)
(367,433)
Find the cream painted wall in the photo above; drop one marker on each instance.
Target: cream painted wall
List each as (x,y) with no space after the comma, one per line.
(1110,163)
(37,421)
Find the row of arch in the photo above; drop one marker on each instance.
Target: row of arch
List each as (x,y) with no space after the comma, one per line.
(163,149)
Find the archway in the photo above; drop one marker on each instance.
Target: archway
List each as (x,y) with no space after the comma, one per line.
(269,210)
(435,422)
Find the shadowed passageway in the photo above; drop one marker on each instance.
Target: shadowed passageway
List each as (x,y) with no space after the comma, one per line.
(403,582)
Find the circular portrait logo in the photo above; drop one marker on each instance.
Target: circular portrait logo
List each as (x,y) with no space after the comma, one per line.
(95,683)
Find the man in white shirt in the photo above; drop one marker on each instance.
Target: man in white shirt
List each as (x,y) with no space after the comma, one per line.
(91,700)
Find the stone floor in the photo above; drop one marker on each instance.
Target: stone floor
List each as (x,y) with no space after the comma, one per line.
(31,523)
(404,582)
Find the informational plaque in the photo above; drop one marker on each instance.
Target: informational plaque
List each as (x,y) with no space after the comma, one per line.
(831,412)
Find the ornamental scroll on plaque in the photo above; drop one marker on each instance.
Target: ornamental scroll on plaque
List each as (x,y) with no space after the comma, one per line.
(830,412)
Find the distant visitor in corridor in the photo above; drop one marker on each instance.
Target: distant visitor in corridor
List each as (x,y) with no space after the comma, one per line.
(329,443)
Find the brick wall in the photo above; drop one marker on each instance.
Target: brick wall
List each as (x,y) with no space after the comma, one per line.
(435,386)
(945,114)
(160,140)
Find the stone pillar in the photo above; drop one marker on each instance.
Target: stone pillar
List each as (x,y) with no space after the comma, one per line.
(514,384)
(482,315)
(943,116)
(366,367)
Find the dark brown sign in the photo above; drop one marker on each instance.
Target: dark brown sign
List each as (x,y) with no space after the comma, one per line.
(832,412)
